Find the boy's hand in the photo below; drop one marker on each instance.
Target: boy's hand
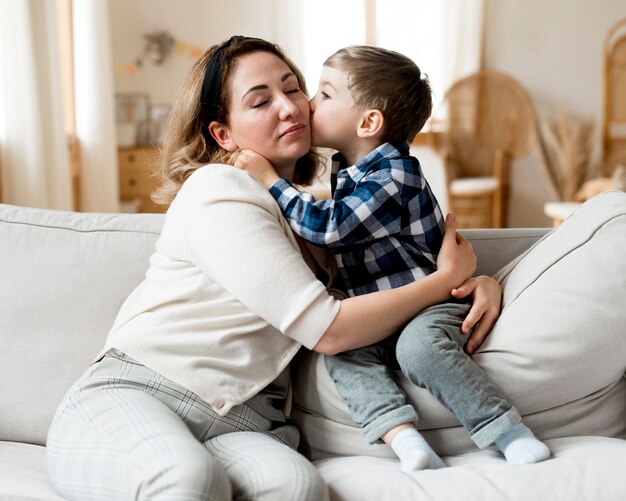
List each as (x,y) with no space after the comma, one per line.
(456,258)
(256,165)
(486,302)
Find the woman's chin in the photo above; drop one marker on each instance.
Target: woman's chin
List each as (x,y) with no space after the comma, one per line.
(298,150)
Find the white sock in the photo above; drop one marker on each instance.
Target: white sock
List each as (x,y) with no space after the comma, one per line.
(414,452)
(520,446)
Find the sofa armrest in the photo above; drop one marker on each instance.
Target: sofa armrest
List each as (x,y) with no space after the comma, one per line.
(497,247)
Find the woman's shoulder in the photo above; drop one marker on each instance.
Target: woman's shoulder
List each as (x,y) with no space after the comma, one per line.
(218,182)
(218,174)
(216,193)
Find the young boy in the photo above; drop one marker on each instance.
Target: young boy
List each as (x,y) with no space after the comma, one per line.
(385,228)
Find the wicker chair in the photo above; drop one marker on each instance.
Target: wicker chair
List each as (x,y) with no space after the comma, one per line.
(614,119)
(490,121)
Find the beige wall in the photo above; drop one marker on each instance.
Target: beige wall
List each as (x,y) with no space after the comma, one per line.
(199,23)
(554,49)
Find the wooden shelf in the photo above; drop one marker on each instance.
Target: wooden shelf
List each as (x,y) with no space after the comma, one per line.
(137,179)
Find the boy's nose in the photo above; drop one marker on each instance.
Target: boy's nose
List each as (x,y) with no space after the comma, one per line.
(312,104)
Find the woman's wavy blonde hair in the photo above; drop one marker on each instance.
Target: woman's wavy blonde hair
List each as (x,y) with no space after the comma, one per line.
(186,147)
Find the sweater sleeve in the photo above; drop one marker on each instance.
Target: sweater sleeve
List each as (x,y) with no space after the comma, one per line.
(239,239)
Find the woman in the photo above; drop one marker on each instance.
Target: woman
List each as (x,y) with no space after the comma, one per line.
(186,398)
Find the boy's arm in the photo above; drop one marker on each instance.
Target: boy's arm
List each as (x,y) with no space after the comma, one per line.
(375,209)
(256,165)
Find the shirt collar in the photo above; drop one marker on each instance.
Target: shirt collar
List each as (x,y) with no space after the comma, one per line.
(386,151)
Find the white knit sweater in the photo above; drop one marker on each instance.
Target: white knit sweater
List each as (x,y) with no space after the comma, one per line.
(227,300)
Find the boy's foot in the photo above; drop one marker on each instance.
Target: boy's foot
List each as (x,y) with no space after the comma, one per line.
(520,446)
(414,452)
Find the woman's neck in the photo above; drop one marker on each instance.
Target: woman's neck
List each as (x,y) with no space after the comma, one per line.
(286,172)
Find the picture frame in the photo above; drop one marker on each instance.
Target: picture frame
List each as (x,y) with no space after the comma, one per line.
(132,107)
(158,118)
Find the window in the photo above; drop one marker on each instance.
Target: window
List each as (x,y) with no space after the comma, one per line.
(412,27)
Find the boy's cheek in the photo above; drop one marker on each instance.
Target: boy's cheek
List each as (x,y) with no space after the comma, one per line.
(317,141)
(314,136)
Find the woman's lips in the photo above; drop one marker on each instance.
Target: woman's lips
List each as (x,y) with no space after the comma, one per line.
(294,131)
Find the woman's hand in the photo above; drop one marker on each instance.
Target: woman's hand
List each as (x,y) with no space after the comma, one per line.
(486,301)
(456,258)
(256,165)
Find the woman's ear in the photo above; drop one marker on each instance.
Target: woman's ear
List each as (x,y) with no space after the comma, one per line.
(371,124)
(221,133)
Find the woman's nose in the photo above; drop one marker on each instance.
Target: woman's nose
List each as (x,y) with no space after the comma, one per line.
(288,108)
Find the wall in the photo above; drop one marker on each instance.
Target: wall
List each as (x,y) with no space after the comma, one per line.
(554,49)
(199,23)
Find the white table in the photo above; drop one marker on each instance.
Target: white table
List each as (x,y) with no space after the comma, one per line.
(558,211)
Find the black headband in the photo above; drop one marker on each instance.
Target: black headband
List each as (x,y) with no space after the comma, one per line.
(212,78)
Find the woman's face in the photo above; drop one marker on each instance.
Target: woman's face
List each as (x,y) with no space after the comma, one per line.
(268,112)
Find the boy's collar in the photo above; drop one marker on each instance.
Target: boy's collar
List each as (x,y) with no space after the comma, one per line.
(390,150)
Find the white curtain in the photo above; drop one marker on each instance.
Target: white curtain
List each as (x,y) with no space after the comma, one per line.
(34,157)
(95,111)
(288,30)
(463,26)
(34,161)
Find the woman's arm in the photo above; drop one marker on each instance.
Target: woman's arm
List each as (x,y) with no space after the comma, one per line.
(369,318)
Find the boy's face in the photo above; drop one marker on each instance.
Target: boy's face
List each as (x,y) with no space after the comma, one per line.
(334,116)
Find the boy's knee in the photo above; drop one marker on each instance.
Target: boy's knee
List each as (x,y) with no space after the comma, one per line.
(415,350)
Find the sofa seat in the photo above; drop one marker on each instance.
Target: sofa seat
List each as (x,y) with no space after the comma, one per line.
(24,472)
(582,468)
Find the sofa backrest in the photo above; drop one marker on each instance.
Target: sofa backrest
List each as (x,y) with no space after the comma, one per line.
(63,277)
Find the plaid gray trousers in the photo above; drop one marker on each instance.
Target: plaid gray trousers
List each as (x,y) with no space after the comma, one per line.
(125,432)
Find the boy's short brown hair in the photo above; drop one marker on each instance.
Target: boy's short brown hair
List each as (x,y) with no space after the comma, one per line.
(389,82)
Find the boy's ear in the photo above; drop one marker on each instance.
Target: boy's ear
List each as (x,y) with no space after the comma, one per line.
(371,123)
(221,133)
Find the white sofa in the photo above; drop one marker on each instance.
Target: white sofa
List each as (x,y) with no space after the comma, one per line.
(558,351)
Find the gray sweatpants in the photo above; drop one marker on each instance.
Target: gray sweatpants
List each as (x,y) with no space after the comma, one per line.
(429,352)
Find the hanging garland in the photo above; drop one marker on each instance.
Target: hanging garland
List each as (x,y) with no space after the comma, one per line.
(159,45)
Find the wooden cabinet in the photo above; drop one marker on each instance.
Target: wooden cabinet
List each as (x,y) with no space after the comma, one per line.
(137,179)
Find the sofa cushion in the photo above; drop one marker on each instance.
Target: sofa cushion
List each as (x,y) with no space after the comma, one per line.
(24,473)
(585,469)
(63,278)
(480,475)
(558,350)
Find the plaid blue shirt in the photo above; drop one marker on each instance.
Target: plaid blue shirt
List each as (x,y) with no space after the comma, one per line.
(384,223)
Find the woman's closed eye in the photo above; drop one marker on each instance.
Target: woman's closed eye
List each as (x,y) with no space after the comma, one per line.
(259,104)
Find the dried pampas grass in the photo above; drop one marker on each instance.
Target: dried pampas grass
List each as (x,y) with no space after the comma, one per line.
(567,142)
